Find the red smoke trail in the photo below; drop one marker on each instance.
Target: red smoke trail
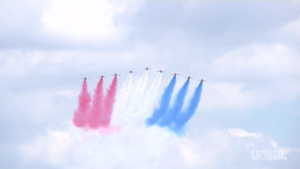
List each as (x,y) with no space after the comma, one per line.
(96,109)
(108,103)
(81,114)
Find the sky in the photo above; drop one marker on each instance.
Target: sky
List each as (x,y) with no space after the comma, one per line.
(248,51)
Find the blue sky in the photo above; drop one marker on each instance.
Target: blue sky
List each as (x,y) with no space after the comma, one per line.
(247,50)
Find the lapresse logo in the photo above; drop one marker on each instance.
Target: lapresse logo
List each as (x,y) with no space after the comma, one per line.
(268,155)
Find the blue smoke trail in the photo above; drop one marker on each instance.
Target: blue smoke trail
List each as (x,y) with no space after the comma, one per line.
(164,103)
(184,117)
(178,104)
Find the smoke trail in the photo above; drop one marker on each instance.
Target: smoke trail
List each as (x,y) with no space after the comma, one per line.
(164,103)
(122,99)
(96,109)
(124,93)
(128,83)
(178,104)
(148,102)
(108,103)
(142,83)
(81,114)
(137,97)
(155,85)
(127,89)
(141,87)
(184,117)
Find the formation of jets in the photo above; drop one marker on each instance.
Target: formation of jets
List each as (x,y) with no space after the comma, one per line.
(147,68)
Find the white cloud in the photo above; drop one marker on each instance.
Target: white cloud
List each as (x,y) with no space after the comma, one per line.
(203,151)
(26,62)
(53,148)
(137,146)
(38,62)
(225,96)
(39,106)
(236,132)
(293,27)
(245,78)
(83,19)
(258,61)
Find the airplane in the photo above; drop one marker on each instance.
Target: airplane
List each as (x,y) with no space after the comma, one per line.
(147,68)
(85,78)
(131,71)
(160,71)
(189,77)
(175,74)
(102,76)
(116,74)
(202,80)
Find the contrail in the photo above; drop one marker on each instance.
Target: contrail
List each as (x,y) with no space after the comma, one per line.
(108,103)
(96,109)
(177,106)
(164,103)
(184,117)
(81,114)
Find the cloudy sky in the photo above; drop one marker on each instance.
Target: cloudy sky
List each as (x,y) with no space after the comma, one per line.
(247,50)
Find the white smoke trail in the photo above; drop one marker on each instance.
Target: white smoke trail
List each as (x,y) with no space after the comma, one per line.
(148,103)
(137,97)
(122,100)
(127,89)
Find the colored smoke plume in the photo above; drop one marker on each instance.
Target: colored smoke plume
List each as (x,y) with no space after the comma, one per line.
(163,104)
(108,103)
(81,114)
(185,116)
(97,106)
(177,106)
